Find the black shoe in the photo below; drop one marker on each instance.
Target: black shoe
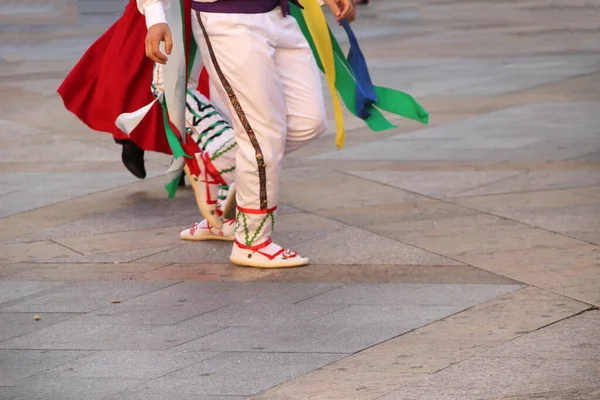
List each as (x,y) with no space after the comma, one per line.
(133,159)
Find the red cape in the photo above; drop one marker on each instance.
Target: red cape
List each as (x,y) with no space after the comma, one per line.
(114,77)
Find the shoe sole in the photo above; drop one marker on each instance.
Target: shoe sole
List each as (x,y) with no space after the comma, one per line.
(248,263)
(207,237)
(210,214)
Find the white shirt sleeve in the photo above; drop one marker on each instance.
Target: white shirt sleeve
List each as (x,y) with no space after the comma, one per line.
(154,10)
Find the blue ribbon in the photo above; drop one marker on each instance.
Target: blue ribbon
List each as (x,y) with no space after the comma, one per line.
(365,91)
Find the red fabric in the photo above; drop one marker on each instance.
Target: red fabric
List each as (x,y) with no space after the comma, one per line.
(114,77)
(203,86)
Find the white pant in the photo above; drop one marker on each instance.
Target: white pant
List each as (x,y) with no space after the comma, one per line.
(207,127)
(272,71)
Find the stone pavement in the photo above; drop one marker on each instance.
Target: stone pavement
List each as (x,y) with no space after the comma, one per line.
(457,261)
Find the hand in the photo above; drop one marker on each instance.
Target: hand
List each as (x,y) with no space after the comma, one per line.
(342,9)
(158,33)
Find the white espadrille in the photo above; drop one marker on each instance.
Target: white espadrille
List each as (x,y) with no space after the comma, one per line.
(204,231)
(265,255)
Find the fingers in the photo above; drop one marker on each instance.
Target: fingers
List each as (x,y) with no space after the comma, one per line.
(168,42)
(352,16)
(346,9)
(334,8)
(153,50)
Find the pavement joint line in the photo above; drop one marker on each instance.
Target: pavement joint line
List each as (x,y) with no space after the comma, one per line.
(582,155)
(341,285)
(522,192)
(34,295)
(66,247)
(472,209)
(204,313)
(518,174)
(60,364)
(591,306)
(174,348)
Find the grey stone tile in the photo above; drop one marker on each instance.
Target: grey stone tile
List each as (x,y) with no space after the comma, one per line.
(348,330)
(397,214)
(274,315)
(169,396)
(19,364)
(141,215)
(414,316)
(11,290)
(8,392)
(45,388)
(106,337)
(575,338)
(582,218)
(127,314)
(238,374)
(16,324)
(225,293)
(111,257)
(494,137)
(413,294)
(56,187)
(302,338)
(539,180)
(83,296)
(352,246)
(128,364)
(436,183)
(193,252)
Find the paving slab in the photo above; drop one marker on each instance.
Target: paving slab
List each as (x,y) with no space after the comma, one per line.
(156,315)
(538,180)
(138,216)
(18,364)
(116,270)
(12,290)
(238,374)
(338,383)
(45,388)
(169,396)
(412,294)
(397,213)
(81,296)
(59,187)
(582,344)
(511,376)
(439,183)
(512,89)
(265,315)
(17,324)
(127,364)
(356,246)
(226,293)
(580,394)
(124,241)
(106,337)
(20,252)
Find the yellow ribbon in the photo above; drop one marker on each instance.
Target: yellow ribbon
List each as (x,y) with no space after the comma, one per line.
(317,25)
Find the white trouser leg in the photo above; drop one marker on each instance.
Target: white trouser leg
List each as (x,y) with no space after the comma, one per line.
(212,133)
(300,78)
(247,49)
(206,126)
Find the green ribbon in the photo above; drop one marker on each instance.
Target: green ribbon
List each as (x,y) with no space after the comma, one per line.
(390,100)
